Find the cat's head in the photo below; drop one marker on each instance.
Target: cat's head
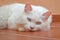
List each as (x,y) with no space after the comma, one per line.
(34,18)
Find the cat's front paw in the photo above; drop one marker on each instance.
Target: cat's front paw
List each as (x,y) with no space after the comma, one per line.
(21,29)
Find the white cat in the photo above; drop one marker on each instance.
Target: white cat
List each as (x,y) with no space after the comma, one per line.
(27,17)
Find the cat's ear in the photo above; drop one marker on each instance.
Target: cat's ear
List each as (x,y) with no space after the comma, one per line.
(46,15)
(28,7)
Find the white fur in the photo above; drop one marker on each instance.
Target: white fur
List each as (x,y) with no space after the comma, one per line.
(14,14)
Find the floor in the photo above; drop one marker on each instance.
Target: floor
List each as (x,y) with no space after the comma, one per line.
(53,34)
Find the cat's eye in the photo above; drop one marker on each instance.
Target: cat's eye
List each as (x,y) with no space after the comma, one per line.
(38,22)
(29,19)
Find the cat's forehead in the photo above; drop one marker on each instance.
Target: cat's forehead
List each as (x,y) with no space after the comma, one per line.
(35,16)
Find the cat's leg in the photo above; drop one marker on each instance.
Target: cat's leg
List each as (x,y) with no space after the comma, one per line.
(21,29)
(12,25)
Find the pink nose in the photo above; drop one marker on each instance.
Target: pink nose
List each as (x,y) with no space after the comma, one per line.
(31,27)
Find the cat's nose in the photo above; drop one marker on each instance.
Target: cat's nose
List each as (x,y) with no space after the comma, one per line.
(31,27)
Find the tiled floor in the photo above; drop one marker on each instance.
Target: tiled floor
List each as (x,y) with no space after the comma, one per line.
(53,34)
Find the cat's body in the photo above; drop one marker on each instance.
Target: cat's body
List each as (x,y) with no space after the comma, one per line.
(30,16)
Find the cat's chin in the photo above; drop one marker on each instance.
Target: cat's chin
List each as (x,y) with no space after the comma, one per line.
(23,30)
(34,30)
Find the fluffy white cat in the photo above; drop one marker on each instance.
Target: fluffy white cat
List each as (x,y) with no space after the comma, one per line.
(25,17)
